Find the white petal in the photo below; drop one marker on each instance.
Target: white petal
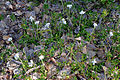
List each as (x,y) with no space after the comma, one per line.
(69,6)
(111,34)
(41,57)
(16,71)
(82,12)
(31,18)
(37,22)
(63,20)
(79,38)
(16,56)
(10,39)
(94,61)
(30,63)
(95,24)
(47,25)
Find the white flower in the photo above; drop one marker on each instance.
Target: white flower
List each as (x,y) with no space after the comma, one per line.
(79,38)
(30,63)
(34,77)
(16,56)
(111,34)
(69,6)
(95,24)
(8,3)
(37,22)
(41,57)
(63,20)
(47,25)
(10,39)
(82,12)
(104,68)
(16,71)
(94,61)
(8,64)
(31,18)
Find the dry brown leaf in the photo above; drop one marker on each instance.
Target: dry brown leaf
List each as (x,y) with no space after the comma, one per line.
(5,37)
(84,50)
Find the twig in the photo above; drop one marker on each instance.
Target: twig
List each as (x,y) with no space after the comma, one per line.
(17,62)
(32,69)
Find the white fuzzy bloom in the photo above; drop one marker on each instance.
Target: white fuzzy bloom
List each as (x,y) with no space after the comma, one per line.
(31,63)
(37,22)
(16,56)
(31,18)
(69,6)
(41,57)
(79,38)
(47,25)
(64,22)
(111,34)
(10,39)
(95,25)
(82,12)
(94,61)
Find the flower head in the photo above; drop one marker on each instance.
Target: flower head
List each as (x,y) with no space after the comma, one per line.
(95,25)
(37,22)
(111,34)
(30,63)
(16,56)
(63,21)
(41,57)
(79,38)
(31,18)
(94,61)
(10,39)
(16,71)
(82,12)
(69,6)
(47,25)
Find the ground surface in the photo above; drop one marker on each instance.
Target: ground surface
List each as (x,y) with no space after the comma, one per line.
(60,40)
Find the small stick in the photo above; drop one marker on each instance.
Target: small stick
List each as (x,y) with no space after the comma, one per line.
(17,62)
(32,69)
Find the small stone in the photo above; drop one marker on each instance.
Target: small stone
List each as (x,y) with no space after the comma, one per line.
(89,30)
(37,10)
(18,13)
(30,53)
(3,25)
(91,53)
(64,72)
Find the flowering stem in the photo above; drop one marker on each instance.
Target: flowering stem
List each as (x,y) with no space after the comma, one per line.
(62,5)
